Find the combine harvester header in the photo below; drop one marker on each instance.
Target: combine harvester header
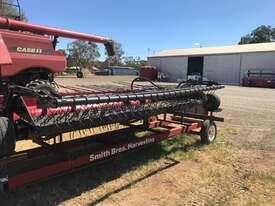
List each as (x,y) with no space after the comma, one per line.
(177,110)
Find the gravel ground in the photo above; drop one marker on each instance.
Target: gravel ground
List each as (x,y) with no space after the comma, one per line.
(251,111)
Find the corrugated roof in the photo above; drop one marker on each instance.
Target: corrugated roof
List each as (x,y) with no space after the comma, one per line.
(245,48)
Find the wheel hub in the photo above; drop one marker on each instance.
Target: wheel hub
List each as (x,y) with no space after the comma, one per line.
(212,133)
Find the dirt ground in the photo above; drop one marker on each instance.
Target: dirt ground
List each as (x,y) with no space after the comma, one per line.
(238,169)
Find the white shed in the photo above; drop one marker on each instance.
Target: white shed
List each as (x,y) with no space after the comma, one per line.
(226,64)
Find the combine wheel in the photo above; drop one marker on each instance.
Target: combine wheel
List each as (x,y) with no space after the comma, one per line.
(212,102)
(208,132)
(7,136)
(43,85)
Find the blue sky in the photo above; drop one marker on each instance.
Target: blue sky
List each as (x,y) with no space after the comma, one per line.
(155,24)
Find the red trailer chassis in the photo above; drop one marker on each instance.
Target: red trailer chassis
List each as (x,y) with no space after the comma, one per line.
(32,114)
(39,164)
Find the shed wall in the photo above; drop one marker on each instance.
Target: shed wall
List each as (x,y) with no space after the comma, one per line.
(257,61)
(175,68)
(224,69)
(155,62)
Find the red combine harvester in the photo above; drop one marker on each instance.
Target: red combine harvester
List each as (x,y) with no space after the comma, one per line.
(259,79)
(33,109)
(30,58)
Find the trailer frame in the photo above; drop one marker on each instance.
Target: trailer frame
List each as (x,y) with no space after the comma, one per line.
(38,164)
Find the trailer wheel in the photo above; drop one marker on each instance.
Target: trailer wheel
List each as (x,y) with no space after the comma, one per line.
(7,136)
(212,102)
(43,85)
(208,132)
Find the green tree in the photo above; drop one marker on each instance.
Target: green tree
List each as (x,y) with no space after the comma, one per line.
(127,60)
(259,35)
(117,58)
(82,54)
(134,61)
(8,9)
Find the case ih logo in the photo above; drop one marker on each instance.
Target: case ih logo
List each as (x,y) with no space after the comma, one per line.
(30,50)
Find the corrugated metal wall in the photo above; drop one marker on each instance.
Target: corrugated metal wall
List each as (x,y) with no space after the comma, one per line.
(156,62)
(174,67)
(257,61)
(226,69)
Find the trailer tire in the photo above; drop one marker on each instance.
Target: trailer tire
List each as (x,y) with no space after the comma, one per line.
(43,85)
(7,136)
(212,102)
(208,132)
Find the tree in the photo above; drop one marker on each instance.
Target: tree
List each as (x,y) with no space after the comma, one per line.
(117,58)
(134,61)
(259,35)
(129,60)
(82,53)
(9,9)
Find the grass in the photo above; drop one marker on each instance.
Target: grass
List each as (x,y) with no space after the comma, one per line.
(177,171)
(268,178)
(231,131)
